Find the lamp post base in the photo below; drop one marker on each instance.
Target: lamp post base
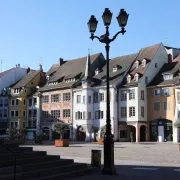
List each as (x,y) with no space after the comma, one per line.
(109,167)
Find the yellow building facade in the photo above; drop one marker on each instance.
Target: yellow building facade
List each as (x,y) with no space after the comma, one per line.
(18,103)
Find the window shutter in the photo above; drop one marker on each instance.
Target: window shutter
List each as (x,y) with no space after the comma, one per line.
(84,115)
(178,97)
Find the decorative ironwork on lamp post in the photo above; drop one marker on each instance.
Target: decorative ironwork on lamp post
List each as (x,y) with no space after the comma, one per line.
(122,19)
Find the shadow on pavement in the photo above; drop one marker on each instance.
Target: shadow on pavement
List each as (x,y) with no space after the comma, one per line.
(129,172)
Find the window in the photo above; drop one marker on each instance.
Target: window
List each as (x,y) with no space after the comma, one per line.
(166,91)
(84,99)
(142,94)
(30,113)
(78,115)
(12,113)
(12,102)
(45,99)
(24,113)
(99,114)
(142,111)
(131,111)
(136,78)
(66,113)
(16,113)
(137,64)
(146,80)
(95,97)
(123,112)
(0,113)
(34,113)
(157,92)
(89,99)
(24,101)
(30,102)
(5,102)
(35,101)
(178,97)
(54,98)
(128,79)
(17,102)
(55,113)
(143,63)
(156,65)
(5,112)
(157,106)
(123,95)
(16,124)
(178,114)
(45,114)
(78,99)
(89,115)
(123,134)
(101,96)
(84,115)
(1,102)
(132,94)
(66,96)
(168,76)
(16,91)
(166,105)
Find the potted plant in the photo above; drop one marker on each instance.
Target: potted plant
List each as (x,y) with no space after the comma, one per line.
(40,137)
(60,128)
(102,134)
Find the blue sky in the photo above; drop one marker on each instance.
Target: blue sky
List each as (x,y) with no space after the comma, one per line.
(30,29)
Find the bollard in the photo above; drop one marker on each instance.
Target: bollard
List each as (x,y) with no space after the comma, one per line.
(95,158)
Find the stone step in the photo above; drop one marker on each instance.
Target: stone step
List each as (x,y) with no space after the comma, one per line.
(33,154)
(33,167)
(18,149)
(10,145)
(55,170)
(70,175)
(29,160)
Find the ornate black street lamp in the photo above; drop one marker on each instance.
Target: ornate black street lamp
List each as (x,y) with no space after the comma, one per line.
(122,19)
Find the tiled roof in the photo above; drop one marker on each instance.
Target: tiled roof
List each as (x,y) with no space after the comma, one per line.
(4,72)
(124,63)
(146,53)
(26,79)
(70,69)
(172,68)
(53,69)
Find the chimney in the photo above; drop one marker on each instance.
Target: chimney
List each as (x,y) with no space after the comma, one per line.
(18,65)
(28,69)
(40,67)
(61,61)
(170,58)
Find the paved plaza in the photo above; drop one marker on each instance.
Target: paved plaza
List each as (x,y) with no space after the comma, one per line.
(141,160)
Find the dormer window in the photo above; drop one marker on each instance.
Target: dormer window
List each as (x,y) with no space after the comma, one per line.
(70,80)
(137,64)
(97,71)
(143,63)
(115,68)
(136,77)
(168,76)
(48,78)
(16,91)
(53,83)
(128,79)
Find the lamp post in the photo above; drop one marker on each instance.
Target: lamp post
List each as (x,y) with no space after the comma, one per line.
(122,19)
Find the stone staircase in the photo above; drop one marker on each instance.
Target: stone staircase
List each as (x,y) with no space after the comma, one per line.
(37,165)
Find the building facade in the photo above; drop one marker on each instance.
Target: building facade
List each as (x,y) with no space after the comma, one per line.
(57,93)
(7,78)
(19,98)
(89,98)
(132,96)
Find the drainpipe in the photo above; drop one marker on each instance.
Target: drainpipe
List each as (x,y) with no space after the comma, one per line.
(72,102)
